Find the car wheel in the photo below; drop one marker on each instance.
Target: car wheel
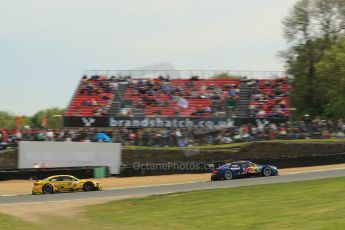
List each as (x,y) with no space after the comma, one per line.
(228,175)
(47,189)
(267,171)
(88,186)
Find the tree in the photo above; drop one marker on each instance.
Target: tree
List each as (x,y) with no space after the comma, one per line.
(225,75)
(7,120)
(54,118)
(302,67)
(311,28)
(331,75)
(312,19)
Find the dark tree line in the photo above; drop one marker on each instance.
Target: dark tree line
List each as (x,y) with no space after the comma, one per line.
(53,119)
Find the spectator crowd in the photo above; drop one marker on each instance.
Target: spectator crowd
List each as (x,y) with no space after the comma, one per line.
(269,98)
(262,130)
(94,96)
(192,97)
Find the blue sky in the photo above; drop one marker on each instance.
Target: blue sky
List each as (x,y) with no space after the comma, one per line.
(45,45)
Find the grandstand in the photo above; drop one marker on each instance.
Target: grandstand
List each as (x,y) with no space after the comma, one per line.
(157,94)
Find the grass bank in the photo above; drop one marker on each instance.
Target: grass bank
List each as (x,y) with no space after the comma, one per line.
(318,204)
(9,223)
(233,145)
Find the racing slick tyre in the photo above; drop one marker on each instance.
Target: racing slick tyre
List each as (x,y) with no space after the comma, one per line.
(88,186)
(267,171)
(228,175)
(47,189)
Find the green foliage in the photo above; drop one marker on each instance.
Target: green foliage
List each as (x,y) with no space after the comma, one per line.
(225,76)
(54,119)
(312,19)
(313,27)
(331,77)
(302,67)
(7,120)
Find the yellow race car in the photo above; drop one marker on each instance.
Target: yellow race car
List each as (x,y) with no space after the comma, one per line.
(64,183)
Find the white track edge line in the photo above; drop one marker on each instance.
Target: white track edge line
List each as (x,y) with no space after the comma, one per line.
(315,170)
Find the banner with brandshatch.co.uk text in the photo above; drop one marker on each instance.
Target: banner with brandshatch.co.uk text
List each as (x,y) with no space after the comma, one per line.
(161,122)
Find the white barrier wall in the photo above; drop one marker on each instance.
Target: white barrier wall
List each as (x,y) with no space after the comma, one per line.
(69,154)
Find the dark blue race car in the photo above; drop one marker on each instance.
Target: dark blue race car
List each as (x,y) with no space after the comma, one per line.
(240,169)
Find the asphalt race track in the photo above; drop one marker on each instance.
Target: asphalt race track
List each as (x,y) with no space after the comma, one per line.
(163,189)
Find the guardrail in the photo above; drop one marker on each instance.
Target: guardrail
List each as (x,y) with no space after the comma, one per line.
(41,173)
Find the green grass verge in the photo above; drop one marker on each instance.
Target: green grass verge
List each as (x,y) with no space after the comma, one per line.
(317,204)
(233,145)
(9,223)
(185,148)
(301,205)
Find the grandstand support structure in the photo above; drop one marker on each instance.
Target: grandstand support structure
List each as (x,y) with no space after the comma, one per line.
(116,103)
(243,103)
